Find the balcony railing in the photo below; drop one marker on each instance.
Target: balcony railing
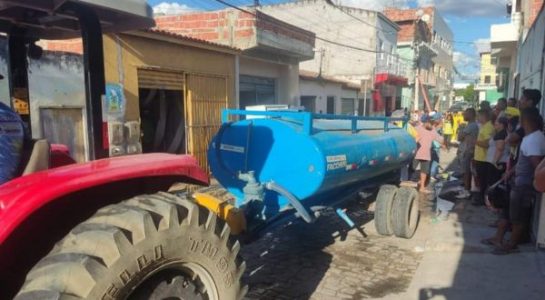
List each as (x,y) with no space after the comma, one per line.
(394,65)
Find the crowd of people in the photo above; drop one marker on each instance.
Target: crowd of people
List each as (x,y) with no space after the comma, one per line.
(501,153)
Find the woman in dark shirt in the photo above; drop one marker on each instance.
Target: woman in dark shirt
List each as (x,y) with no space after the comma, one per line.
(498,152)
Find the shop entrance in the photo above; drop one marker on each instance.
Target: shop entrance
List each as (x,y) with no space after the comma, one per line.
(162,111)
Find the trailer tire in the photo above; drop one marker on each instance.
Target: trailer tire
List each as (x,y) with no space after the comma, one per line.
(405,212)
(148,247)
(383,209)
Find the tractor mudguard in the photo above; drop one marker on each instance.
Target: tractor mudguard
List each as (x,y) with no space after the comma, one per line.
(60,156)
(21,197)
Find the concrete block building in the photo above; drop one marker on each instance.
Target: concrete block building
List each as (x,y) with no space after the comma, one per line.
(439,78)
(268,71)
(354,45)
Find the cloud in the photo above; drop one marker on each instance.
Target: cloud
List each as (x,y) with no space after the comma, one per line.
(467,8)
(463,60)
(482,45)
(468,64)
(166,8)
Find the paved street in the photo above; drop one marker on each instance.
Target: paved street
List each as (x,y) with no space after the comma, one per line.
(323,261)
(444,260)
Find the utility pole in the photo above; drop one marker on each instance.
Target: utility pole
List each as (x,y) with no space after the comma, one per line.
(417,77)
(256,3)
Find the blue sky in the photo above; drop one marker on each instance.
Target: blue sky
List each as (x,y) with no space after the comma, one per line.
(469,20)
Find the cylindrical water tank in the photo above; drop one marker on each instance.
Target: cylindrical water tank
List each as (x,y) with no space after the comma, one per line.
(307,156)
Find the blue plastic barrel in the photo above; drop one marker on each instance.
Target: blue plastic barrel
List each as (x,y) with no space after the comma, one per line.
(308,155)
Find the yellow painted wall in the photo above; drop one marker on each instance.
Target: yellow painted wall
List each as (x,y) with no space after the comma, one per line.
(124,54)
(487,68)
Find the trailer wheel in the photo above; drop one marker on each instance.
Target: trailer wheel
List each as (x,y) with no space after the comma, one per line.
(149,247)
(405,212)
(383,209)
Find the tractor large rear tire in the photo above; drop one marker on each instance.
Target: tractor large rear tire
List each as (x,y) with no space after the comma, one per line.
(149,247)
(405,212)
(383,209)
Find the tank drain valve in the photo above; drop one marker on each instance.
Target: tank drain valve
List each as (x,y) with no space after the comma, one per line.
(253,190)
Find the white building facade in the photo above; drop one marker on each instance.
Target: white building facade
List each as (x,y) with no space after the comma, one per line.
(355,45)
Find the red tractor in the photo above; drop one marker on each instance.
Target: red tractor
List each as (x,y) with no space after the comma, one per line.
(106,229)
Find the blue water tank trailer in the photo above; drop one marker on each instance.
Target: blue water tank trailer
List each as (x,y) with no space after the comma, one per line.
(302,158)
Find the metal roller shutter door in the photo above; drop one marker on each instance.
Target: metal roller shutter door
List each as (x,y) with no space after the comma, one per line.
(160,79)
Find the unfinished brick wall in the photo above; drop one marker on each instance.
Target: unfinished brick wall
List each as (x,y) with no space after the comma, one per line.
(210,26)
(230,27)
(411,28)
(535,9)
(407,31)
(397,15)
(68,46)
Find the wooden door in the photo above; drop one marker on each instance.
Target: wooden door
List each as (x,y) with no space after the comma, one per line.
(206,97)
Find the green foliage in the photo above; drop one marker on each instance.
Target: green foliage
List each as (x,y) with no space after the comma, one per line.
(468,93)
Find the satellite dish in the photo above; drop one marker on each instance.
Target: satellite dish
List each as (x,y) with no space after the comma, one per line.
(426,18)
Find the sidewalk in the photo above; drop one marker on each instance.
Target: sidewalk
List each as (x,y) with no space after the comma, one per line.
(455,265)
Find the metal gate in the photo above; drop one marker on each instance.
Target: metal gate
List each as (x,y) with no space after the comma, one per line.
(206,96)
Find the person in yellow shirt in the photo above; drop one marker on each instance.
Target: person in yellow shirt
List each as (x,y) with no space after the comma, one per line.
(457,120)
(486,131)
(448,130)
(511,112)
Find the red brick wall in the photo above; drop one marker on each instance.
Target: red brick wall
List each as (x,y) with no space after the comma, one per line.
(406,19)
(214,26)
(210,26)
(536,6)
(406,32)
(70,46)
(395,14)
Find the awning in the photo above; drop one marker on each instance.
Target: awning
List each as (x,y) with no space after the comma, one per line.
(55,19)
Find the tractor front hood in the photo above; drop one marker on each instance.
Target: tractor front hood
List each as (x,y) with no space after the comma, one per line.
(56,19)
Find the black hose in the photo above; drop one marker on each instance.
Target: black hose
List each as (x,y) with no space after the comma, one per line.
(292,200)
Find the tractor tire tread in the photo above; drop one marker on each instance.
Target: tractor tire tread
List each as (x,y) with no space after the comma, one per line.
(76,265)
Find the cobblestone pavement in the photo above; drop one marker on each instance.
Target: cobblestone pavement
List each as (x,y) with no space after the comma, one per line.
(324,261)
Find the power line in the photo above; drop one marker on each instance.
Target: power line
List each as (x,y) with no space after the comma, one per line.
(330,2)
(316,36)
(314,25)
